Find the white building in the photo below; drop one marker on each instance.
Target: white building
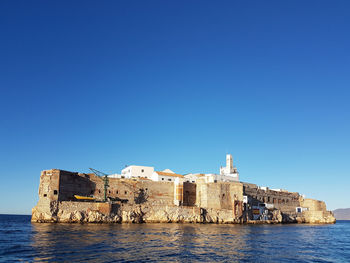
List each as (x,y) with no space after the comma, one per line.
(119,176)
(192,178)
(147,172)
(213,178)
(136,171)
(166,176)
(227,174)
(229,171)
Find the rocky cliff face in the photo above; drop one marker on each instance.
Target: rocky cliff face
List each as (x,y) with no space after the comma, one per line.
(75,212)
(89,212)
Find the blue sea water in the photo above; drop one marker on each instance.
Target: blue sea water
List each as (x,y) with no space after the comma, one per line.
(21,240)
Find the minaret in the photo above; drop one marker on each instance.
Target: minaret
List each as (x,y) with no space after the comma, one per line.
(229,164)
(229,170)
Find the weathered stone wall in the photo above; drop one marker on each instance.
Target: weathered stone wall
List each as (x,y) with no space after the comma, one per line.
(313,205)
(281,200)
(49,184)
(220,196)
(219,202)
(74,184)
(189,194)
(63,185)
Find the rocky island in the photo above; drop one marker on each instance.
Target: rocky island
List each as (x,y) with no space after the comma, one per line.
(141,195)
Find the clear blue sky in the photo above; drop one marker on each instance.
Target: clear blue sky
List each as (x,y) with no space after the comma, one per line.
(176,84)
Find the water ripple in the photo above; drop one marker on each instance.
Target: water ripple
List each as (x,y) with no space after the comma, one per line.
(22,241)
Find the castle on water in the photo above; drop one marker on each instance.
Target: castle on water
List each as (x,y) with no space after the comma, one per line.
(142,194)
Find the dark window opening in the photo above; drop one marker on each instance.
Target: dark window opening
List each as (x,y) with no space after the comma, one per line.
(162,179)
(223,195)
(99,191)
(45,195)
(55,192)
(169,180)
(117,192)
(142,171)
(126,192)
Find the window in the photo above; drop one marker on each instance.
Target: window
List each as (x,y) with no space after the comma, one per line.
(169,180)
(162,179)
(223,195)
(117,192)
(45,195)
(126,192)
(55,192)
(142,171)
(99,191)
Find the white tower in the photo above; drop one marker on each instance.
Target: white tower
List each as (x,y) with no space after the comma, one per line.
(229,170)
(229,164)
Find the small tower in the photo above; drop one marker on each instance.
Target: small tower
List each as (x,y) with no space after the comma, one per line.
(229,170)
(229,164)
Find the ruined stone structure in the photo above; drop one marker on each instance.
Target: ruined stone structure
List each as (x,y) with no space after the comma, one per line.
(287,207)
(142,200)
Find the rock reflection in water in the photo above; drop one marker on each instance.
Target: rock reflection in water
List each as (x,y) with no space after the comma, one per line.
(182,242)
(166,242)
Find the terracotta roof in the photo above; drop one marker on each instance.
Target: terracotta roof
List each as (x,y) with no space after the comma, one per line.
(144,178)
(169,174)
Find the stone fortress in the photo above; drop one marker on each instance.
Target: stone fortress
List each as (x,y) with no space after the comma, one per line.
(140,194)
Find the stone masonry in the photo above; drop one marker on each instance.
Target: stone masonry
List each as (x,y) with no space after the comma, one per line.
(141,200)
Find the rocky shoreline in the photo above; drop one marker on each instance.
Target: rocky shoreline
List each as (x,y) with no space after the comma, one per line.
(78,212)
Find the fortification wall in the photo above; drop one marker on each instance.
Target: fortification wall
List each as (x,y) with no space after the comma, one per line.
(282,200)
(148,201)
(189,194)
(313,205)
(74,184)
(220,195)
(63,185)
(49,184)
